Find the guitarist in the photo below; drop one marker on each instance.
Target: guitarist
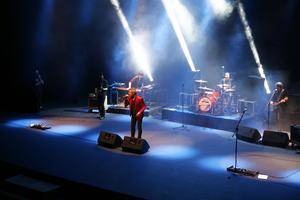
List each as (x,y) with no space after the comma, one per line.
(278,105)
(102,92)
(39,84)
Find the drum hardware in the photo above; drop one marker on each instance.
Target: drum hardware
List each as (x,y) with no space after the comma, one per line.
(189,99)
(229,104)
(205,88)
(92,95)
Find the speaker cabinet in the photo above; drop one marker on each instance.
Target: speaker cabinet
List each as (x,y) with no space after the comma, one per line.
(275,138)
(135,145)
(109,140)
(248,134)
(295,134)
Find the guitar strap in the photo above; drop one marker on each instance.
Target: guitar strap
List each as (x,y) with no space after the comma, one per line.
(280,95)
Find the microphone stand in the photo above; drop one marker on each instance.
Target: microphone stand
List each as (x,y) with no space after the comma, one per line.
(183,127)
(268,114)
(234,168)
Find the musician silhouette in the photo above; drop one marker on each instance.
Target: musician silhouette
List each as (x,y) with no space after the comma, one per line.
(39,85)
(137,81)
(278,107)
(102,92)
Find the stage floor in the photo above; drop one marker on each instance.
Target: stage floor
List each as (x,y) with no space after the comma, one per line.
(181,163)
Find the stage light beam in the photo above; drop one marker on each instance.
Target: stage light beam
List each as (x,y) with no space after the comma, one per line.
(169,6)
(250,38)
(186,21)
(138,51)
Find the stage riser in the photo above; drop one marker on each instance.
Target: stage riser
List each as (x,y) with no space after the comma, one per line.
(197,119)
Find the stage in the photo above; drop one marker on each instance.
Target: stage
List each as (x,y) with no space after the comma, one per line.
(180,164)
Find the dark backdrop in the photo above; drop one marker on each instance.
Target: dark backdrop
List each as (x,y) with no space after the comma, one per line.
(76,50)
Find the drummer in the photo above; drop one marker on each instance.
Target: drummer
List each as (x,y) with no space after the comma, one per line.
(226,84)
(226,81)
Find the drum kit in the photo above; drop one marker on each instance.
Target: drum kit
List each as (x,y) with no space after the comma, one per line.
(219,101)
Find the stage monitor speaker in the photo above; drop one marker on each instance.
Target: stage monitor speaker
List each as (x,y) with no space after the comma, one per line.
(110,140)
(135,145)
(248,134)
(275,138)
(295,133)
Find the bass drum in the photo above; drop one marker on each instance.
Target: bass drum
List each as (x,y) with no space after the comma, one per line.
(207,102)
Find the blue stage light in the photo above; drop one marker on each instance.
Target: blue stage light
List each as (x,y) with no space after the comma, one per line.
(44,22)
(173,152)
(24,123)
(220,163)
(292,176)
(68,129)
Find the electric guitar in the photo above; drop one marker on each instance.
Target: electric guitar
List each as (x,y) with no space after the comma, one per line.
(275,105)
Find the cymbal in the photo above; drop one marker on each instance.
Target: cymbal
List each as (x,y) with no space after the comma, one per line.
(205,88)
(145,87)
(117,84)
(121,88)
(230,90)
(255,77)
(200,81)
(223,85)
(126,89)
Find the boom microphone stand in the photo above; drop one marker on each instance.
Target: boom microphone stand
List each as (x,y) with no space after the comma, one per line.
(268,114)
(183,127)
(232,168)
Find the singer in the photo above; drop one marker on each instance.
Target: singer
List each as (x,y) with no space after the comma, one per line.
(137,108)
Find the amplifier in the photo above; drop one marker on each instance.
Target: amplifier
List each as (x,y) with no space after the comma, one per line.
(242,104)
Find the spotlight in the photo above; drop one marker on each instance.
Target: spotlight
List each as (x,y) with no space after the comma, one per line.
(221,8)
